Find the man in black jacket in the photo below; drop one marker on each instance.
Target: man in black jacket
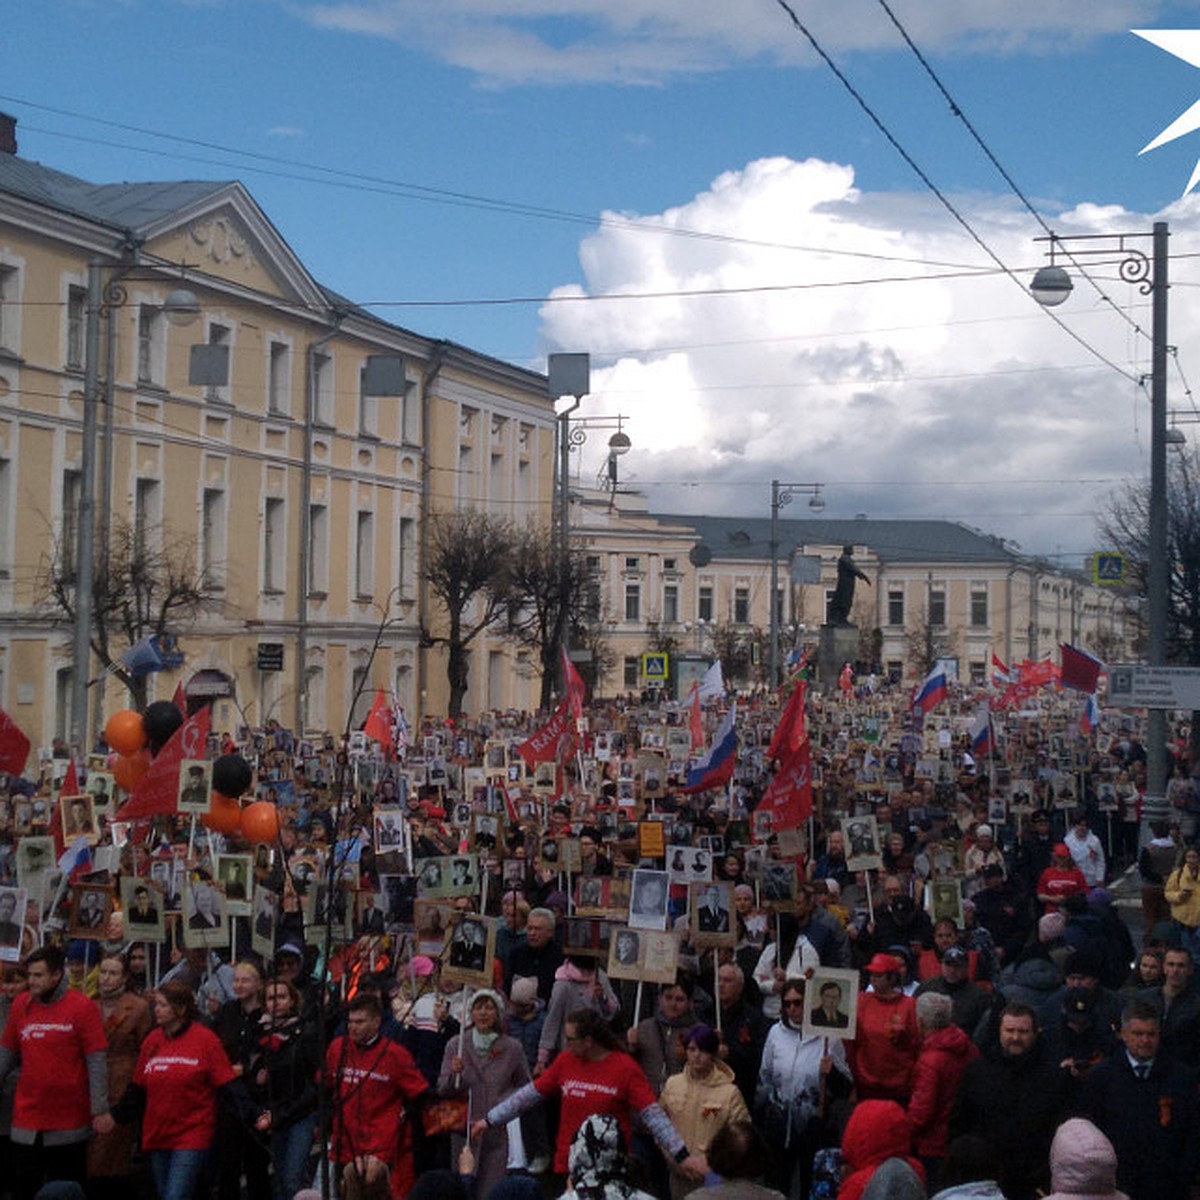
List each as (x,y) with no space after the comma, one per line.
(1014,1098)
(1145,1104)
(538,956)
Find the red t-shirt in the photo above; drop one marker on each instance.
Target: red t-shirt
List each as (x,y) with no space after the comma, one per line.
(181,1076)
(615,1085)
(370,1085)
(1061,882)
(884,1050)
(53,1041)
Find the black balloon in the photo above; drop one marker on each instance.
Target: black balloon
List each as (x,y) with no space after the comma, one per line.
(231,775)
(160,720)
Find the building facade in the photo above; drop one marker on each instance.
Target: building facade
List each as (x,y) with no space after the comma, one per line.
(296,484)
(702,584)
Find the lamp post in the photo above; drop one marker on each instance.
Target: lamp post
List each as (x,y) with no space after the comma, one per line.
(180,308)
(781,495)
(1051,286)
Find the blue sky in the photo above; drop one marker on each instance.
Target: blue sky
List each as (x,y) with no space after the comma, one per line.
(948,398)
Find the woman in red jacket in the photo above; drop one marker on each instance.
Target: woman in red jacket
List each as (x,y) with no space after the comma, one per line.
(884,1050)
(877,1130)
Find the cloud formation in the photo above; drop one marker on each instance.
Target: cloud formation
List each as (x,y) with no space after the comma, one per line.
(864,341)
(504,42)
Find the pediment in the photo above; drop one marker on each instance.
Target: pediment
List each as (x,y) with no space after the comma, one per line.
(226,236)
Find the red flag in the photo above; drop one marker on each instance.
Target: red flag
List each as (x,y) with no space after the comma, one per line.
(695,723)
(379,721)
(1080,670)
(14,746)
(791,731)
(573,685)
(789,797)
(159,790)
(180,698)
(554,741)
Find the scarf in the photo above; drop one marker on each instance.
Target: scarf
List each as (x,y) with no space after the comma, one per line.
(483,1042)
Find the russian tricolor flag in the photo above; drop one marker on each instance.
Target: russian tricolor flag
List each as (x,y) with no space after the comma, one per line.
(933,691)
(715,769)
(983,741)
(1090,717)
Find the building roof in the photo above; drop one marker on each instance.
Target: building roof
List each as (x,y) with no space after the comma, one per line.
(891,541)
(131,206)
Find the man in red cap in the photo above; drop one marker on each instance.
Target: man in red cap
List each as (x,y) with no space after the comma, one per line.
(1062,878)
(886,1040)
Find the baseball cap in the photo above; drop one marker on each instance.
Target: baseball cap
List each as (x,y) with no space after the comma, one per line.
(956,954)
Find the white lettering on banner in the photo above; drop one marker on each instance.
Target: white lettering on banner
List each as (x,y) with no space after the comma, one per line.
(40,1029)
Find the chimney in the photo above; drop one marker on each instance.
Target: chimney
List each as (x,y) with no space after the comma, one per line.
(8,134)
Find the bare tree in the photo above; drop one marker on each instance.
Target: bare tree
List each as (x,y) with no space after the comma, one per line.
(467,568)
(1124,526)
(150,585)
(927,642)
(549,595)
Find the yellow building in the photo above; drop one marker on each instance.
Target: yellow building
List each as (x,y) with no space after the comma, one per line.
(697,584)
(294,492)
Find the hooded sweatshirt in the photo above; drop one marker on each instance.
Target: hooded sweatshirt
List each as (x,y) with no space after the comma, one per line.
(698,1108)
(877,1130)
(895,1180)
(940,1065)
(1083,1163)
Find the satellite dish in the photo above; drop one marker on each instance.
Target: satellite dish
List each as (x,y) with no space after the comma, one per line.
(700,555)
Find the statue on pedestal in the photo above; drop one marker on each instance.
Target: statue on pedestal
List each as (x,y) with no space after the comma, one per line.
(843,593)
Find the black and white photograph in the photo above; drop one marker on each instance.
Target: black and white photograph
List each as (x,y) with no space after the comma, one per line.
(591,894)
(485,832)
(863,852)
(101,786)
(168,874)
(946,901)
(262,926)
(831,1003)
(205,917)
(369,917)
(145,913)
(13,903)
(709,916)
(398,892)
(778,883)
(235,873)
(389,829)
(471,951)
(91,906)
(195,786)
(35,860)
(648,899)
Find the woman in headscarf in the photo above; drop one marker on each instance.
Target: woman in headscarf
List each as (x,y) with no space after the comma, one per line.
(598,1168)
(488,1066)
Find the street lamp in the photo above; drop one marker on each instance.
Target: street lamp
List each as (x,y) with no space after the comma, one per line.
(781,495)
(1051,286)
(180,308)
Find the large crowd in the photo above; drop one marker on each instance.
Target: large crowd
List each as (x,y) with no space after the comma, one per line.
(449,972)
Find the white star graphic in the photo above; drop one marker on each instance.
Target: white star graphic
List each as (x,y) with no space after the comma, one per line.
(1184,44)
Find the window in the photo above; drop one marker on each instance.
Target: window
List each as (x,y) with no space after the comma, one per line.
(895,602)
(704,603)
(150,344)
(895,670)
(273,544)
(218,335)
(979,606)
(633,602)
(670,613)
(212,534)
(669,564)
(368,408)
(322,369)
(632,563)
(10,312)
(364,554)
(978,673)
(408,556)
(937,607)
(76,326)
(279,379)
(70,519)
(741,605)
(632,671)
(147,512)
(318,549)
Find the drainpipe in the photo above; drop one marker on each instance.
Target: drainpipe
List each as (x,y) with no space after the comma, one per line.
(434,368)
(305,557)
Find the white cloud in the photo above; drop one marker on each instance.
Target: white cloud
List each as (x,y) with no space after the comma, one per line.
(649,41)
(947,397)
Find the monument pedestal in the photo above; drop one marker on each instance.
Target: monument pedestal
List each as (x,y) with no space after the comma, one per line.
(837,645)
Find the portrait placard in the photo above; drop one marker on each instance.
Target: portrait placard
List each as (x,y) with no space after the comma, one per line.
(863,852)
(145,912)
(195,786)
(262,926)
(448,876)
(13,904)
(472,949)
(205,917)
(389,828)
(78,817)
(91,906)
(689,864)
(431,921)
(235,873)
(645,954)
(946,900)
(710,914)
(831,1003)
(777,885)
(648,899)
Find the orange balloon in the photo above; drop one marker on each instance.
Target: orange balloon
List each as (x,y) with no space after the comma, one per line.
(260,822)
(129,769)
(225,816)
(124,731)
